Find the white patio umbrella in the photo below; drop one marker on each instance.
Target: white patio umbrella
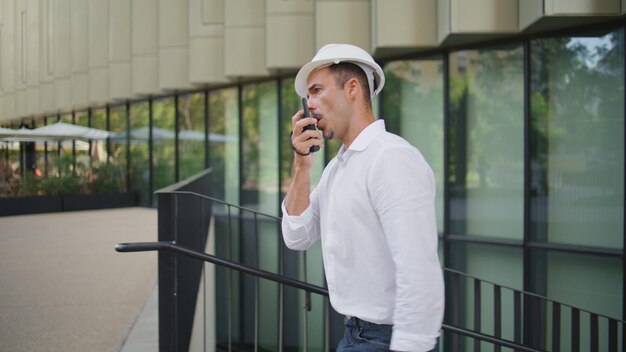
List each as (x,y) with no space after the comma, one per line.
(20,135)
(61,130)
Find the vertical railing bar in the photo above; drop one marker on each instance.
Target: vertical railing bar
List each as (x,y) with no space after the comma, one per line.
(497,305)
(281,293)
(256,314)
(556,326)
(456,310)
(326,324)
(477,310)
(306,313)
(517,316)
(594,332)
(230,282)
(204,265)
(256,282)
(612,335)
(575,330)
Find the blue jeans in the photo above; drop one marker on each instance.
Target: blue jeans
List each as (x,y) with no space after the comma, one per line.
(363,336)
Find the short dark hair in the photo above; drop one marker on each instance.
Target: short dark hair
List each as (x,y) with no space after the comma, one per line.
(344,71)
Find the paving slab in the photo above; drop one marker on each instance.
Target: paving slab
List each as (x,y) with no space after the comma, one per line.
(63,287)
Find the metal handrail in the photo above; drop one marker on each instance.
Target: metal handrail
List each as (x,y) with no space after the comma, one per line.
(171,246)
(278,218)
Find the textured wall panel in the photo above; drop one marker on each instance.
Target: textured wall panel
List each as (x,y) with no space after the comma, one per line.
(206,42)
(8,59)
(62,55)
(21,26)
(484,16)
(120,49)
(578,7)
(80,53)
(98,51)
(32,58)
(345,21)
(405,23)
(173,38)
(529,12)
(290,40)
(244,38)
(145,69)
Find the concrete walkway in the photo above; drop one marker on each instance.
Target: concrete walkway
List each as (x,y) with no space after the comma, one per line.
(62,285)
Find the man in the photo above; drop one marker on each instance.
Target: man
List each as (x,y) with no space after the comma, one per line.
(373,209)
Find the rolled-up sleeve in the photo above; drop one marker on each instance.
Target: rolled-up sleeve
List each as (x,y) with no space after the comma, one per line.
(403,191)
(302,231)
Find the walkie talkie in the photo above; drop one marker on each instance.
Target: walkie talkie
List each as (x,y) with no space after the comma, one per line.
(307,113)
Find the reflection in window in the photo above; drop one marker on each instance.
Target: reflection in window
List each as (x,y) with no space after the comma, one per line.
(577,139)
(486,142)
(589,282)
(98,149)
(501,265)
(413,108)
(139,151)
(224,161)
(117,166)
(577,168)
(191,135)
(83,159)
(260,148)
(52,152)
(294,261)
(163,144)
(259,189)
(224,150)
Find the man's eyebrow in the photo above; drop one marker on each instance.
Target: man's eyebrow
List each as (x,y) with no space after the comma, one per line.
(313,86)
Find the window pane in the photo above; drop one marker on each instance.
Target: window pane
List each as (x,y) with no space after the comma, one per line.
(191,134)
(163,144)
(413,108)
(577,140)
(224,160)
(486,142)
(260,192)
(592,283)
(139,152)
(492,263)
(260,148)
(66,161)
(294,261)
(83,159)
(116,170)
(52,153)
(291,104)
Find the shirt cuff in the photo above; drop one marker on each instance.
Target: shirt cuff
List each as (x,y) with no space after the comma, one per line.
(410,342)
(297,221)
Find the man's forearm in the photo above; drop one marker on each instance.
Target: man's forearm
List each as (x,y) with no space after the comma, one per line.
(297,198)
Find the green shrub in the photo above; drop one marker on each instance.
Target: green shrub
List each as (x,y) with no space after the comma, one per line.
(106,178)
(69,183)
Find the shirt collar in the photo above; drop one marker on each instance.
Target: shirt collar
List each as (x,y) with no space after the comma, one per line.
(365,137)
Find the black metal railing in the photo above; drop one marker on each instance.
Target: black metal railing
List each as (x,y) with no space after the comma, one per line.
(221,306)
(309,288)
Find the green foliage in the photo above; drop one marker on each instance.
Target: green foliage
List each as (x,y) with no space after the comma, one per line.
(69,183)
(106,178)
(29,185)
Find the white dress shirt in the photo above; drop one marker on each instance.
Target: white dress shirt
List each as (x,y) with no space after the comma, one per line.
(374,211)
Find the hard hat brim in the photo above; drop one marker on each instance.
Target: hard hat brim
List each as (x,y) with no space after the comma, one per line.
(302,77)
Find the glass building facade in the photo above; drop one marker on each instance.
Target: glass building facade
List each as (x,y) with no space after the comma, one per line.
(526,140)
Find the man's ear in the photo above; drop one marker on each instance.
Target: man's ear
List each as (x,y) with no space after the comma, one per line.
(353,87)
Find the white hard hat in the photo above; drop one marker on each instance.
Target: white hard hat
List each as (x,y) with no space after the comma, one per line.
(335,53)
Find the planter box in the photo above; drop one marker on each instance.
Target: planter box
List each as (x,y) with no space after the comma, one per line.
(30,205)
(48,204)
